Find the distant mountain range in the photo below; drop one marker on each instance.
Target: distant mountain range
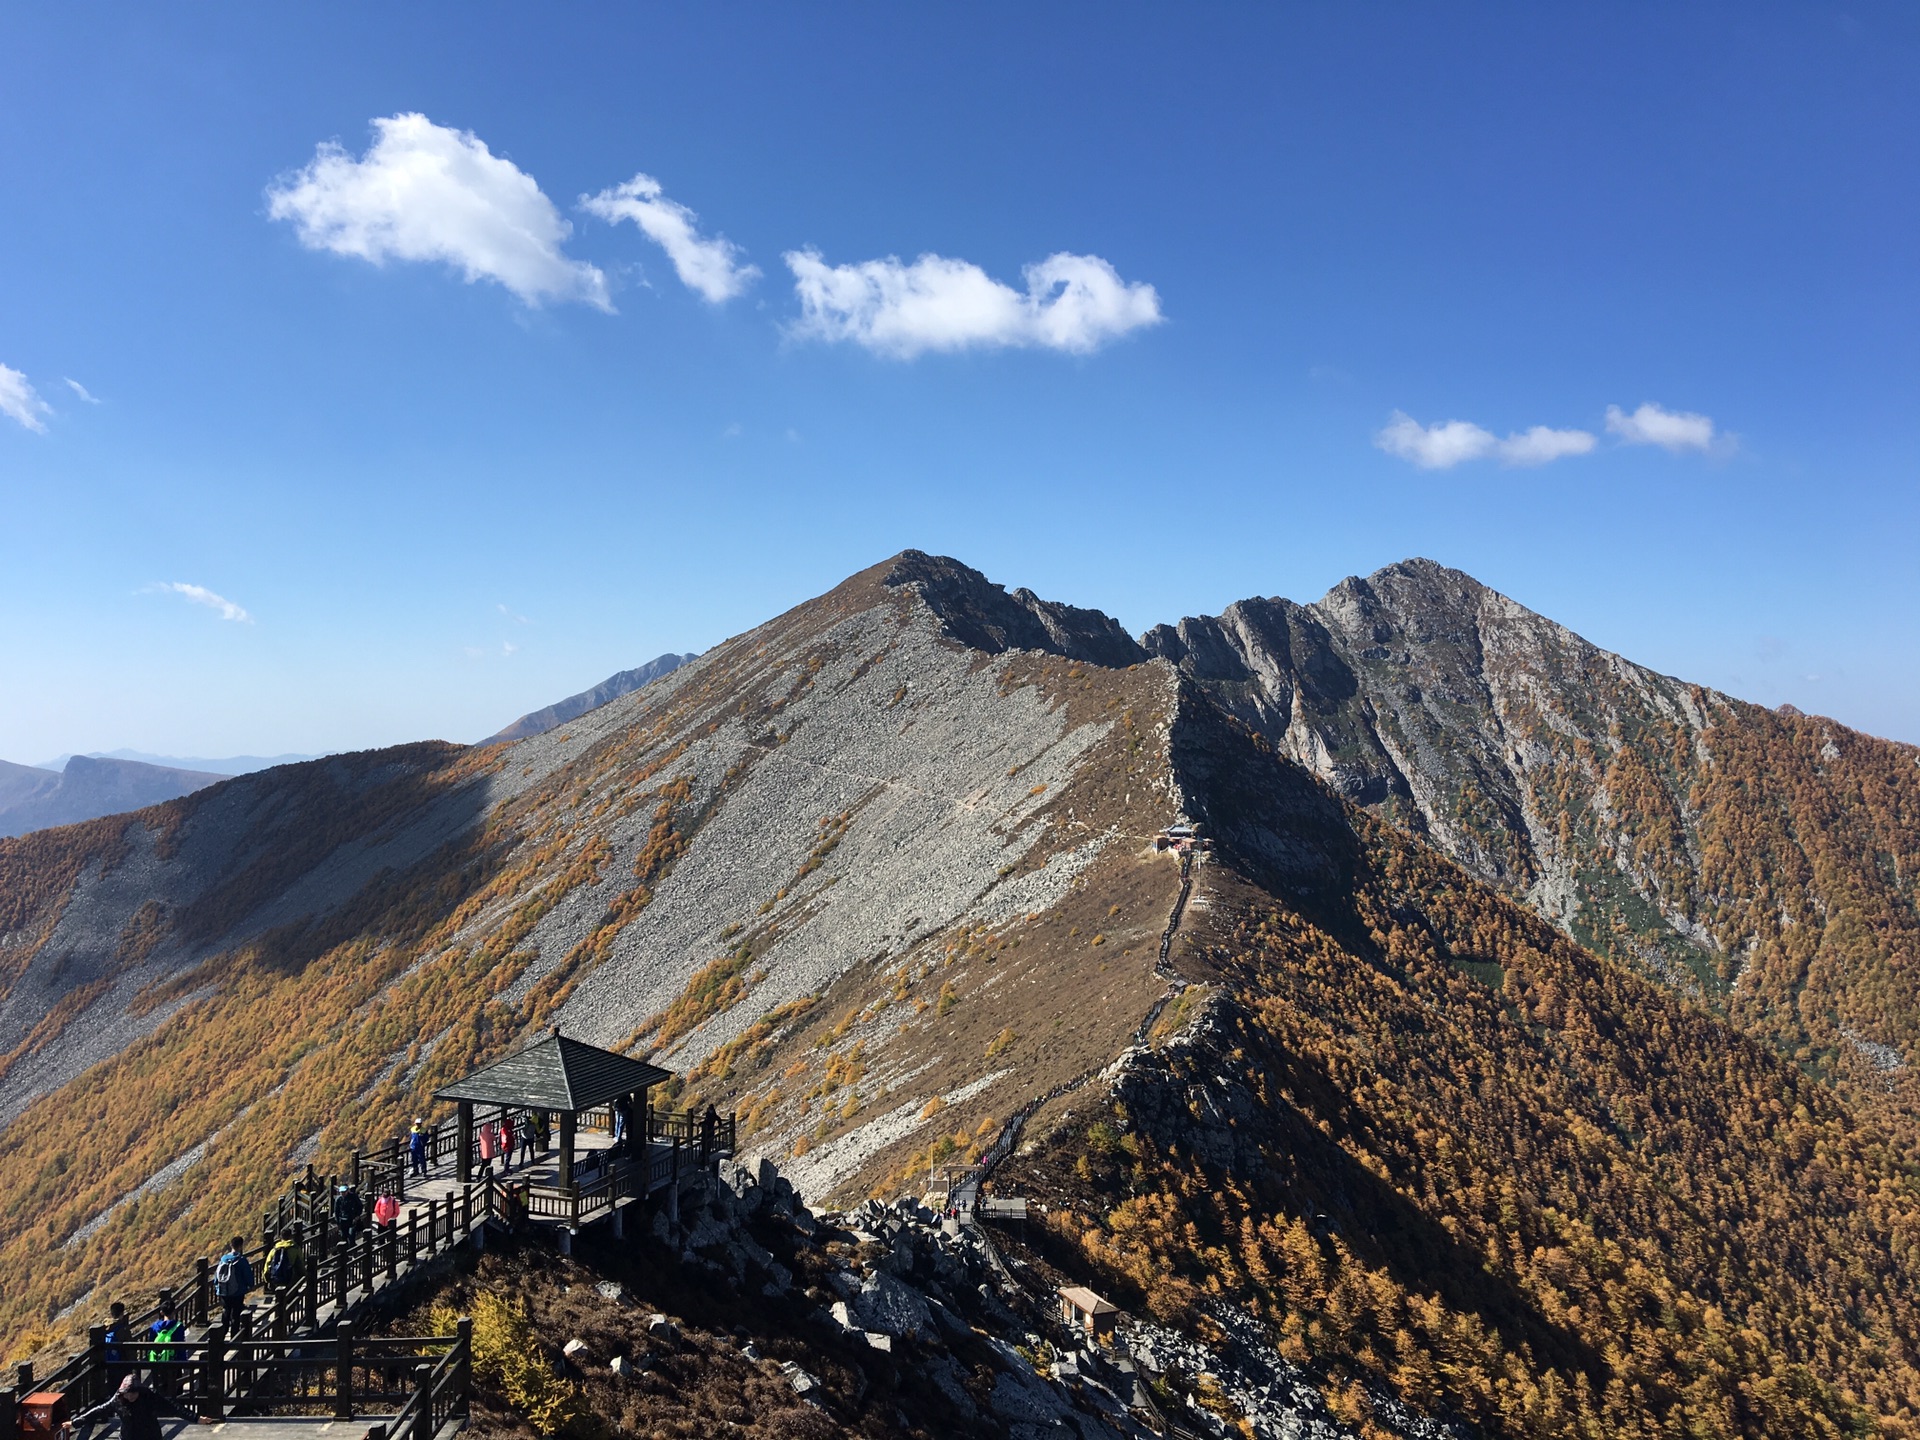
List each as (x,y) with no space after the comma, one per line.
(33,798)
(231,765)
(538,722)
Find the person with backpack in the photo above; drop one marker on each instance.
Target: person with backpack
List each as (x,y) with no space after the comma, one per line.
(165,1349)
(348,1207)
(232,1280)
(417,1142)
(138,1409)
(286,1263)
(118,1331)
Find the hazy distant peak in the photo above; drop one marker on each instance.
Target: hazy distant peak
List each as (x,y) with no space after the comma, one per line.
(538,722)
(227,765)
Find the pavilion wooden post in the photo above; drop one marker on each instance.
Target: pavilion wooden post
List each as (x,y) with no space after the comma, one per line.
(463,1153)
(566,1148)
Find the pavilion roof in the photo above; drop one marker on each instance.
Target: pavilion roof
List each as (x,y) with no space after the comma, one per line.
(557,1073)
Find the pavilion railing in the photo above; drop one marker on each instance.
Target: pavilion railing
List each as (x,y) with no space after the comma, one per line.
(337,1268)
(425,1379)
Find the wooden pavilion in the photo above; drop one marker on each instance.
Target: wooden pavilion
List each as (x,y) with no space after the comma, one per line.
(563,1076)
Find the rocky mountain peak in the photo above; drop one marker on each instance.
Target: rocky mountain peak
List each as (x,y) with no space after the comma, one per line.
(978,613)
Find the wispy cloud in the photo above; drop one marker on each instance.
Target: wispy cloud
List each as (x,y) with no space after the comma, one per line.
(712,266)
(200,595)
(82,391)
(1075,303)
(19,401)
(430,192)
(513,615)
(1452,442)
(1651,424)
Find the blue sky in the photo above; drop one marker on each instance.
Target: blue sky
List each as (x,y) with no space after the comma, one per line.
(455,446)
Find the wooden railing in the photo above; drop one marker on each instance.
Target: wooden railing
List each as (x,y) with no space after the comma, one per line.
(278,1336)
(340,1272)
(426,1379)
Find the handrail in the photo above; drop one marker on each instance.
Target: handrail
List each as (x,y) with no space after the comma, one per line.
(335,1271)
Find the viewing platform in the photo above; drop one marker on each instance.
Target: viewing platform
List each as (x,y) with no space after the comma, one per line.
(294,1362)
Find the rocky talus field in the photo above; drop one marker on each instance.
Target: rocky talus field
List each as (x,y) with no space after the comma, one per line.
(1529,1056)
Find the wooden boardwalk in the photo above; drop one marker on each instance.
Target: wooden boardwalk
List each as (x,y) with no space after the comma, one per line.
(294,1365)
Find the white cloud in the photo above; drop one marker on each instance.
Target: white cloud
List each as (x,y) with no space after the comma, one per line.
(1452,442)
(713,267)
(200,595)
(1674,430)
(1540,444)
(82,391)
(1075,303)
(429,192)
(20,401)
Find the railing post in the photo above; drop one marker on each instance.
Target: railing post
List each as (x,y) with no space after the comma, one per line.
(356,1169)
(23,1378)
(366,1261)
(399,1170)
(279,1331)
(9,1415)
(342,1280)
(343,1374)
(213,1373)
(392,1238)
(413,1238)
(310,1288)
(95,1392)
(463,1366)
(202,1290)
(423,1404)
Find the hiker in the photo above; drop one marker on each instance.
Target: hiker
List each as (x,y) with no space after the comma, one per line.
(386,1212)
(347,1210)
(118,1331)
(529,1132)
(417,1141)
(506,1144)
(117,1338)
(137,1408)
(286,1262)
(232,1279)
(543,1130)
(488,1149)
(165,1351)
(709,1127)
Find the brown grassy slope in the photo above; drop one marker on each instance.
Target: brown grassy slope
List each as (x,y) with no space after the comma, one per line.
(1438,1146)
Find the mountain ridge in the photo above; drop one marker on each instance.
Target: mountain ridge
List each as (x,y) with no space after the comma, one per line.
(882,873)
(624,682)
